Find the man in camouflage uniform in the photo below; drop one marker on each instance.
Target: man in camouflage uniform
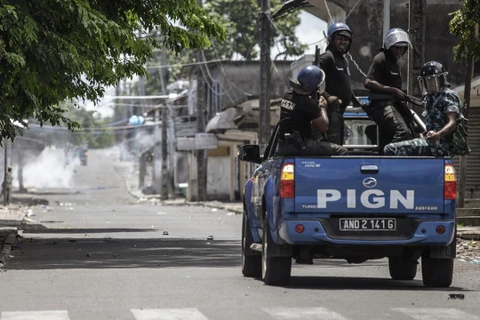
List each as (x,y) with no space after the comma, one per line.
(441,113)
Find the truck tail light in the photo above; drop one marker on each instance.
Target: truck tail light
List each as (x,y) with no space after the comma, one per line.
(287,181)
(450,183)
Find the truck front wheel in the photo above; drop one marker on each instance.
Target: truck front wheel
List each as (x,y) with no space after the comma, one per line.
(437,272)
(402,269)
(275,270)
(251,260)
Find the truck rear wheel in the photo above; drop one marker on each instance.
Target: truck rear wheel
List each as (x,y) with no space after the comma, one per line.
(275,270)
(251,260)
(402,269)
(437,272)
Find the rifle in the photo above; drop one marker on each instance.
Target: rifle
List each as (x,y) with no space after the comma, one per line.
(415,101)
(388,96)
(317,55)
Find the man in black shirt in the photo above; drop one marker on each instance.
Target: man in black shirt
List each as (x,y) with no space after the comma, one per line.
(385,84)
(302,111)
(338,89)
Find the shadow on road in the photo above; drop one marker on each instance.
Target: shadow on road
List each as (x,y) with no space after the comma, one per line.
(44,230)
(361,283)
(95,252)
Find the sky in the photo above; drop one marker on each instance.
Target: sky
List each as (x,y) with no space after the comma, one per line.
(310,31)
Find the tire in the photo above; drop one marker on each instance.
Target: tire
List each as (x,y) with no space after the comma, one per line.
(401,269)
(275,270)
(251,260)
(436,272)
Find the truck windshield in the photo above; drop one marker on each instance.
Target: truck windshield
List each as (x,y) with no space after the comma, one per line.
(360,132)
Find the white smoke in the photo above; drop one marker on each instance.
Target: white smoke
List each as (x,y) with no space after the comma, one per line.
(49,170)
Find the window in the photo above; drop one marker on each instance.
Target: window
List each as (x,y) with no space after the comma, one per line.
(213,98)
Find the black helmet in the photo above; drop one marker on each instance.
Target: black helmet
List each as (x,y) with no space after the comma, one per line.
(432,68)
(341,29)
(433,77)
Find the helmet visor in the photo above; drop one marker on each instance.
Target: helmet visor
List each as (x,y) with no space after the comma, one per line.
(344,33)
(321,85)
(429,84)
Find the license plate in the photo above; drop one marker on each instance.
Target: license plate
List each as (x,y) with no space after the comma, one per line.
(367,224)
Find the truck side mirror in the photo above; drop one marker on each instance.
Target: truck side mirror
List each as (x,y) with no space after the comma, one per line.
(249,153)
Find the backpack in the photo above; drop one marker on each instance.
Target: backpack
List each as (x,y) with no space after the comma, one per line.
(459,138)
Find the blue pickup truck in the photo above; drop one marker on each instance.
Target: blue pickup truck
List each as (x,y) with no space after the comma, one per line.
(357,207)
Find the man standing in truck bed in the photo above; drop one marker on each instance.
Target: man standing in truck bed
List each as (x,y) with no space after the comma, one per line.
(338,89)
(385,84)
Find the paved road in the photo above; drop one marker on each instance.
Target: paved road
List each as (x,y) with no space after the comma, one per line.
(96,254)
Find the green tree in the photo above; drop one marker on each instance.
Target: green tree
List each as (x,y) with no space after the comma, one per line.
(94,132)
(464,25)
(241,20)
(53,50)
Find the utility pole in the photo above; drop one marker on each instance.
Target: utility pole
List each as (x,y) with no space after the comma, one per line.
(386,17)
(157,151)
(416,55)
(201,155)
(165,172)
(5,165)
(466,106)
(264,111)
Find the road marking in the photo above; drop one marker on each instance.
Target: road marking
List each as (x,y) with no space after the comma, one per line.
(35,315)
(304,313)
(168,314)
(435,313)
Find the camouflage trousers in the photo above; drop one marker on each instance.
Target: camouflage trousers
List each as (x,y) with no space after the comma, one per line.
(415,147)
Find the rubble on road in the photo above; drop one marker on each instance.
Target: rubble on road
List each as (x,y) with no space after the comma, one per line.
(468,251)
(235,207)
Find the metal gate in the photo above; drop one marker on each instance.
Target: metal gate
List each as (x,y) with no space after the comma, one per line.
(472,188)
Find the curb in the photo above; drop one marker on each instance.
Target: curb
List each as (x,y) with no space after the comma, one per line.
(469,236)
(203,204)
(236,211)
(183,203)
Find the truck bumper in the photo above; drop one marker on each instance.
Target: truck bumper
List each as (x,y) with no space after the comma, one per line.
(315,234)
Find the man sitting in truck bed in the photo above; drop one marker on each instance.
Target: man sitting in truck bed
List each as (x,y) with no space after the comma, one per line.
(301,108)
(442,111)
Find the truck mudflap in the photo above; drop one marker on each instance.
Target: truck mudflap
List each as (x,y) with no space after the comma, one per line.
(438,233)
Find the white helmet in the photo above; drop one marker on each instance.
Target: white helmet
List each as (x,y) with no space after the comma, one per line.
(396,37)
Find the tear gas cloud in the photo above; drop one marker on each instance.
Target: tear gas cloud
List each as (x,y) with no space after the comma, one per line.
(49,170)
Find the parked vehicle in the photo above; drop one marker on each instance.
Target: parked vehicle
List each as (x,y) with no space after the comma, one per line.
(357,207)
